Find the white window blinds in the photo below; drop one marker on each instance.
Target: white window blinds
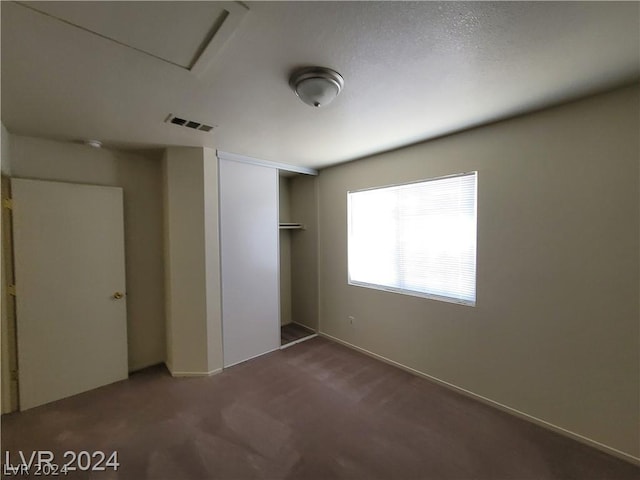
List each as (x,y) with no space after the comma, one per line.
(417,238)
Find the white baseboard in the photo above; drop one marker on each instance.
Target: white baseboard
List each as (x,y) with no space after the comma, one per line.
(567,433)
(306,326)
(192,374)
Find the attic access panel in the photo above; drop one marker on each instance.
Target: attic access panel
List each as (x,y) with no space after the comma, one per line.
(185,34)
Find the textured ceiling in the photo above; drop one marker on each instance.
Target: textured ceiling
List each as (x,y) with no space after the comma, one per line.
(412,71)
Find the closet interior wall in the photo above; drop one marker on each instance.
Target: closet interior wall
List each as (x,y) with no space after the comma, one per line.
(299,251)
(285,251)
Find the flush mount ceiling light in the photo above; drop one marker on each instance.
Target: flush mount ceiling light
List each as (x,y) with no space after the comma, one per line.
(316,86)
(93,143)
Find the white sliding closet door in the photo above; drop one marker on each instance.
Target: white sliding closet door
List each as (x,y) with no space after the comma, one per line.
(250,260)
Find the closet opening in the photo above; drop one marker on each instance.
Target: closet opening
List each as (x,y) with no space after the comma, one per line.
(298,258)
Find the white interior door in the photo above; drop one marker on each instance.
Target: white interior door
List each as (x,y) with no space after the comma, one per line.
(250,260)
(69,271)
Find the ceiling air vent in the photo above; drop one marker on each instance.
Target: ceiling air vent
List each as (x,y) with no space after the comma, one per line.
(183,122)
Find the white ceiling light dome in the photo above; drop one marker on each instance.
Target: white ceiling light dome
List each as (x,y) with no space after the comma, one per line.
(316,86)
(93,143)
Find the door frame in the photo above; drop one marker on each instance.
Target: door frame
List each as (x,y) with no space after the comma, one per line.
(109,360)
(9,341)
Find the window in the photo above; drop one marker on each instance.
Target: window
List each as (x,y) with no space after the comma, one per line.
(416,239)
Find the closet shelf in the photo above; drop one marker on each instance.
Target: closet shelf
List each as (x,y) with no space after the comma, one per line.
(291,226)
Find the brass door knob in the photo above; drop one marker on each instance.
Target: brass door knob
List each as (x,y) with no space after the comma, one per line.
(118,295)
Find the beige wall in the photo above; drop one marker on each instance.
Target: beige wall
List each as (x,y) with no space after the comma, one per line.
(5,160)
(192,261)
(304,250)
(555,331)
(284,208)
(140,177)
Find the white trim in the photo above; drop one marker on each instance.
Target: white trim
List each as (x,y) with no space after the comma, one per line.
(493,403)
(251,358)
(234,157)
(193,374)
(300,340)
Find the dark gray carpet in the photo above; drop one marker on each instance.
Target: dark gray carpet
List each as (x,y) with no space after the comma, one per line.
(316,410)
